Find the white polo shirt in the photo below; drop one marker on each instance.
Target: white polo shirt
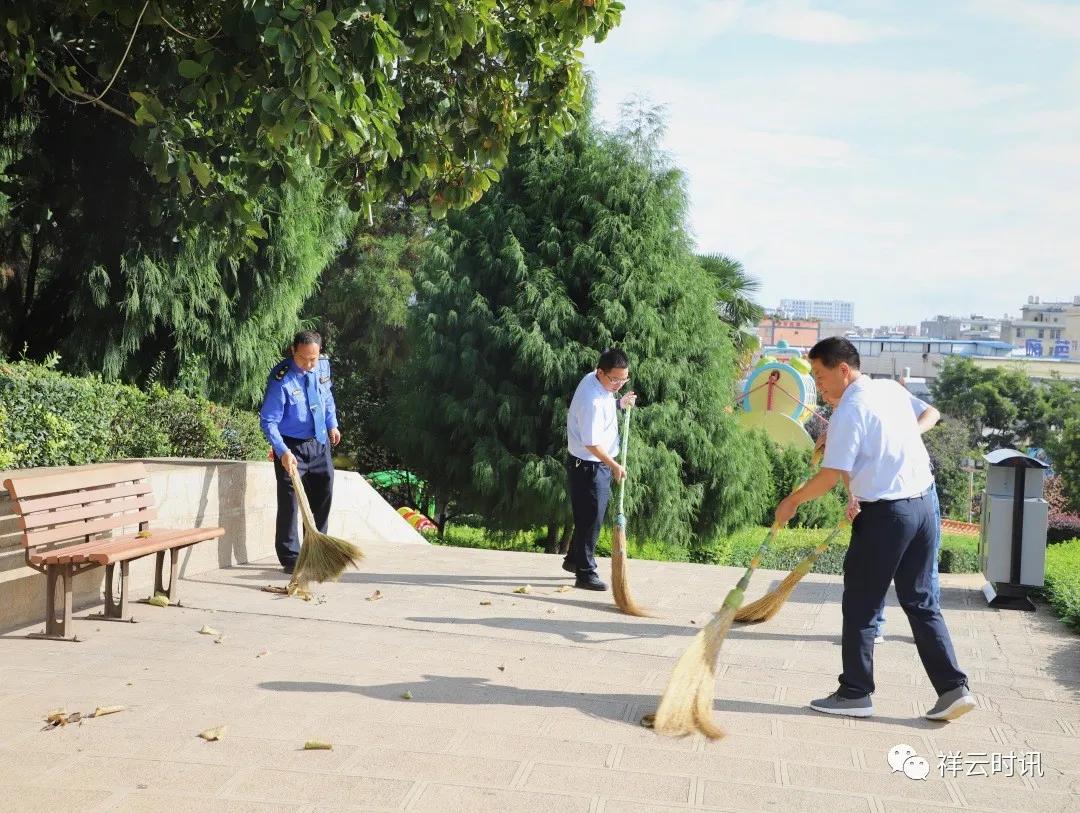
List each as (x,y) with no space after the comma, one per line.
(874,436)
(592,420)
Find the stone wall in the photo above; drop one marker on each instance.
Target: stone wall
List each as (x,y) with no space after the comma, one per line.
(239,496)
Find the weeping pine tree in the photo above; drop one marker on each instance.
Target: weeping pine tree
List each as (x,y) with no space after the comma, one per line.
(581,246)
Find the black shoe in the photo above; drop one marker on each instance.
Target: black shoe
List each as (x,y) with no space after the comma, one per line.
(589,581)
(288,569)
(568,566)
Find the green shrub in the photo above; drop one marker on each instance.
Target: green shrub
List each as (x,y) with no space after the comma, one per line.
(789,468)
(1063,581)
(51,419)
(959,554)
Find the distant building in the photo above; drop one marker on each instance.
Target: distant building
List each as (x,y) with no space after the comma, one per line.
(1041,328)
(972,327)
(829,310)
(802,333)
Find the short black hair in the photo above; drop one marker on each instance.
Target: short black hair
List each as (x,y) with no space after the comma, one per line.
(611,358)
(306,337)
(834,350)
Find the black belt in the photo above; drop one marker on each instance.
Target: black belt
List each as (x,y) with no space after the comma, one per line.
(289,439)
(901,499)
(578,463)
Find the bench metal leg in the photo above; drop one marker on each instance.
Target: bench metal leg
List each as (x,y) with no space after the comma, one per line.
(159,574)
(57,624)
(116,606)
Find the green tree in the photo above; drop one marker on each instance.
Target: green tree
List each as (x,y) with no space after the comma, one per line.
(1001,407)
(176,175)
(949,444)
(581,246)
(1065,453)
(361,309)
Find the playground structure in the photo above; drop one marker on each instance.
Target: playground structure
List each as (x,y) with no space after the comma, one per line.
(779,397)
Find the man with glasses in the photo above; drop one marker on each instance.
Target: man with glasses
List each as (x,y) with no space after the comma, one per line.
(592,439)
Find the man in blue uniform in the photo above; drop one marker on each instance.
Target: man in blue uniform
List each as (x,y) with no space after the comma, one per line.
(299,419)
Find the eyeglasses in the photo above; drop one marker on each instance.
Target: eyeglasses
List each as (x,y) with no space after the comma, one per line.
(618,381)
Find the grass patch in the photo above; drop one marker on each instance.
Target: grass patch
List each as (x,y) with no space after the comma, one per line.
(959,554)
(1063,581)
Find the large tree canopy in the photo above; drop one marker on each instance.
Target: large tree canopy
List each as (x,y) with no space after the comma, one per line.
(155,155)
(581,246)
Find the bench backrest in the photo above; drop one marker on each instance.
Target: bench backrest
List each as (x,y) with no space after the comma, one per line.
(79,504)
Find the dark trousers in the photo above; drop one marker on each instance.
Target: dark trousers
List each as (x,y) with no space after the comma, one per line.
(894,542)
(316,471)
(590,488)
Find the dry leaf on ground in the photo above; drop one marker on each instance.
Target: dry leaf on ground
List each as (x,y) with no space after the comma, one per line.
(564,589)
(159,600)
(101,711)
(527,588)
(208,631)
(315,745)
(213,734)
(375,596)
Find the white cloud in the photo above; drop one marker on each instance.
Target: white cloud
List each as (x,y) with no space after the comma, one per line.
(652,27)
(798,20)
(1050,19)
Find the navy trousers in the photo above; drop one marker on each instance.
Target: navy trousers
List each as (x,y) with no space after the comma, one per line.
(590,489)
(316,471)
(894,542)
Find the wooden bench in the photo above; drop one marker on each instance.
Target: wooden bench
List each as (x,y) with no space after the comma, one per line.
(72,522)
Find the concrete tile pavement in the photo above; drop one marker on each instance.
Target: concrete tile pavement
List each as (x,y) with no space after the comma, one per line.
(529,702)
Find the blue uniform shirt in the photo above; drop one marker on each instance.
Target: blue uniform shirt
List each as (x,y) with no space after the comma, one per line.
(286,408)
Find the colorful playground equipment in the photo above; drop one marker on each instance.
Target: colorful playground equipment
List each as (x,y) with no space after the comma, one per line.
(416,519)
(779,396)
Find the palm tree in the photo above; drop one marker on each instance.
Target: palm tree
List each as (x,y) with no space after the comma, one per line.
(735,289)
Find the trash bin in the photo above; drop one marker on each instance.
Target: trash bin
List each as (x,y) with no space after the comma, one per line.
(1012,541)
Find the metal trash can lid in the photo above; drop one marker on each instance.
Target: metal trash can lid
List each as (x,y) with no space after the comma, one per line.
(1011,457)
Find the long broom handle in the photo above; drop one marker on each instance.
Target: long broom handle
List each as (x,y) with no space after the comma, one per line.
(620,517)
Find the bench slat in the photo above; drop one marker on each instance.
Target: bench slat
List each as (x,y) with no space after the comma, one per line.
(114,549)
(107,474)
(83,497)
(150,546)
(74,530)
(40,519)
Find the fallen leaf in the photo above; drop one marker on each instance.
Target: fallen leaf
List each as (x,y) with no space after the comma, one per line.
(375,596)
(101,711)
(649,720)
(219,639)
(502,668)
(143,535)
(213,734)
(159,600)
(275,588)
(208,631)
(524,589)
(262,654)
(315,745)
(57,718)
(485,603)
(564,589)
(406,695)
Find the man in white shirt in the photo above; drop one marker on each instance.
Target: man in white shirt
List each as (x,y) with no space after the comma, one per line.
(874,440)
(592,440)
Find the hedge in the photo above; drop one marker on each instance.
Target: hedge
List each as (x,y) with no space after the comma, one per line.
(1063,581)
(48,418)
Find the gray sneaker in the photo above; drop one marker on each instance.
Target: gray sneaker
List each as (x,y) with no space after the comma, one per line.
(952,704)
(848,707)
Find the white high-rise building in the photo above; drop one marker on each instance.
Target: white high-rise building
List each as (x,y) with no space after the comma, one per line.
(831,310)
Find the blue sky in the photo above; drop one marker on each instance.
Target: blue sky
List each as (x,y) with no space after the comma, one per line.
(913,157)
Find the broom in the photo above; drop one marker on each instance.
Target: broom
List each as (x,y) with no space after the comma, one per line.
(620,586)
(322,557)
(686,706)
(769,605)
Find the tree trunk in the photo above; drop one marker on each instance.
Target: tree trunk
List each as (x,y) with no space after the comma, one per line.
(565,539)
(551,542)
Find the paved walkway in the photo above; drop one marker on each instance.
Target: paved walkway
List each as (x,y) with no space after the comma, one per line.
(518,702)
